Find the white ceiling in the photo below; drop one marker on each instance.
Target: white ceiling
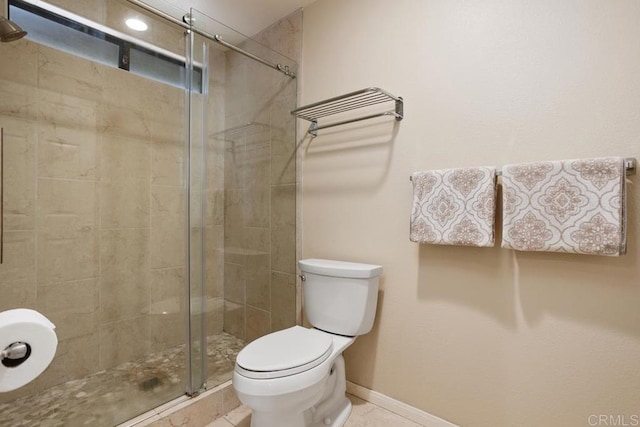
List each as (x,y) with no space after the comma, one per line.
(246,16)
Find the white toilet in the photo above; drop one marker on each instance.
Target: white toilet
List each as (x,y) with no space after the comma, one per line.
(295,377)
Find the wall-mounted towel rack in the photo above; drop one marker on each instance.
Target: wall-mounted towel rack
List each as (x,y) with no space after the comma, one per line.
(348,102)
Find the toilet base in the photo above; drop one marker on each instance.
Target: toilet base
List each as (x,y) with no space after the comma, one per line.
(336,418)
(280,420)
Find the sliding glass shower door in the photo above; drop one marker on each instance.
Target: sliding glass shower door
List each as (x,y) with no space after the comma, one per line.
(95,203)
(248,135)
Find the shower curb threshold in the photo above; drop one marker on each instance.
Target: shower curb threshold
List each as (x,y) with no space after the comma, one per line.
(400,408)
(172,407)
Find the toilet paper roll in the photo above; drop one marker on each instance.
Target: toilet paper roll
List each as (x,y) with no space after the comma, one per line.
(25,326)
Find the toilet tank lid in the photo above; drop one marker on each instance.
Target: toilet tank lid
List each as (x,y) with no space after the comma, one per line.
(332,268)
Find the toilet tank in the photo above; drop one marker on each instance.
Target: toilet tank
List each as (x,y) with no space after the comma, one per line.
(340,297)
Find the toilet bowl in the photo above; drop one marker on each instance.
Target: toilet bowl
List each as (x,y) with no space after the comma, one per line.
(296,377)
(287,396)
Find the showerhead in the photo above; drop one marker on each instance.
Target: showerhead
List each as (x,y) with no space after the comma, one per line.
(10,31)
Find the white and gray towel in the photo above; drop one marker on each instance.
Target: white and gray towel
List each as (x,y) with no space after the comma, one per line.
(454,207)
(575,206)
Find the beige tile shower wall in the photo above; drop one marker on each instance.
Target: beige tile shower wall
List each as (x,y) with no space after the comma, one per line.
(259,215)
(480,337)
(94,207)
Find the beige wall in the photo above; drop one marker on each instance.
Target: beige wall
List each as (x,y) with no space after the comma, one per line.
(480,337)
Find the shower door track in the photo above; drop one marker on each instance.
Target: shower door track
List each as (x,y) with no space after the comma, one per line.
(284,69)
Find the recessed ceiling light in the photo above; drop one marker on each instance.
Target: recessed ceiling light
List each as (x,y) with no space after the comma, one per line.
(136,24)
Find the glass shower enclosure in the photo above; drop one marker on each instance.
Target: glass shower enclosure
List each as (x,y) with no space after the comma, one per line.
(148,204)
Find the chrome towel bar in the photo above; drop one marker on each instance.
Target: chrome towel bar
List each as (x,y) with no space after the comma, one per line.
(630,166)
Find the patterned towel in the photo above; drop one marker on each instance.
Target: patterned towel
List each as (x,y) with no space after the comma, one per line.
(575,206)
(454,207)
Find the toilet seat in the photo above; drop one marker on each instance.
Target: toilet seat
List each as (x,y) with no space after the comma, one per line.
(284,353)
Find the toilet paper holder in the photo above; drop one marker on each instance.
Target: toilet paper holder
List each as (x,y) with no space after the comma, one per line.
(14,354)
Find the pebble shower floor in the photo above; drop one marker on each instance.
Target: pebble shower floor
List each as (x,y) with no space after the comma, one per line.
(101,399)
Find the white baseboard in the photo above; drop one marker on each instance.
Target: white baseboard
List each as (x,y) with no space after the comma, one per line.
(409,412)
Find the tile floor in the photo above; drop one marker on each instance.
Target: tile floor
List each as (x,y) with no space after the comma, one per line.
(363,414)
